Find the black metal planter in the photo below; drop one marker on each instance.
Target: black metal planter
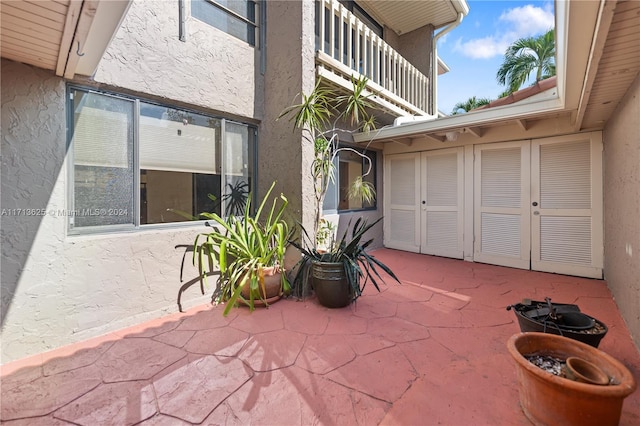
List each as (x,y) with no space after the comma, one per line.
(559,318)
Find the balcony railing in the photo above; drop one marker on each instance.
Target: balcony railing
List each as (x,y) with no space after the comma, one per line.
(346,46)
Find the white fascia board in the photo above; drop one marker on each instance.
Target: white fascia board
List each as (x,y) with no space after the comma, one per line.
(561,9)
(461,6)
(478,118)
(106,22)
(443,68)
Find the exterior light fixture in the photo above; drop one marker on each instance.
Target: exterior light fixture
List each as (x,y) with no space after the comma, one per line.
(452,136)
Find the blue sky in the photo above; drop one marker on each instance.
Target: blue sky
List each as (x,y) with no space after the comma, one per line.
(474,50)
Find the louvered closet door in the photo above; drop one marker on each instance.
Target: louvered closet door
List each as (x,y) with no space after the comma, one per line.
(442,202)
(566,205)
(401,201)
(501,204)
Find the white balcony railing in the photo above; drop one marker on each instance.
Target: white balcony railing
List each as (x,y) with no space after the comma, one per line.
(345,44)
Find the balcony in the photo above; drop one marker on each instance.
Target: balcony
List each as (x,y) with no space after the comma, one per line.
(348,47)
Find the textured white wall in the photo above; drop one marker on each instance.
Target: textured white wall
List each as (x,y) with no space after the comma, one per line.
(283,153)
(622,207)
(210,69)
(58,289)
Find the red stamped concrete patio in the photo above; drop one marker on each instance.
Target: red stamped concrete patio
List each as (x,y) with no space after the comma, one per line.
(429,351)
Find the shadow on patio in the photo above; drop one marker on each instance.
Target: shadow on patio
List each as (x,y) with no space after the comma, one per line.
(429,351)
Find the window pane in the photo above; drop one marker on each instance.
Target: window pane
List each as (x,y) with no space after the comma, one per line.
(211,14)
(238,157)
(103,160)
(351,167)
(179,164)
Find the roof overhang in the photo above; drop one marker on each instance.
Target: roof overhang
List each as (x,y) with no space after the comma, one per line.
(408,15)
(574,22)
(443,68)
(65,36)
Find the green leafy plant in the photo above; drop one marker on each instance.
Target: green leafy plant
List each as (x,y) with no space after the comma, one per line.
(351,251)
(235,201)
(318,115)
(242,247)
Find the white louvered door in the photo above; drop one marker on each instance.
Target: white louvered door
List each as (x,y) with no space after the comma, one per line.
(501,204)
(401,201)
(566,205)
(442,202)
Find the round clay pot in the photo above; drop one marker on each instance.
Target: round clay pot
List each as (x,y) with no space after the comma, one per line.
(273,287)
(331,285)
(584,371)
(547,399)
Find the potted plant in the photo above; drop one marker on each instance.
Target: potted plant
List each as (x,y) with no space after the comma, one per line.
(319,115)
(248,252)
(341,273)
(549,396)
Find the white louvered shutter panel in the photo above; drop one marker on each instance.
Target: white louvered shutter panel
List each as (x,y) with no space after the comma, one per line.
(401,186)
(442,220)
(563,225)
(501,206)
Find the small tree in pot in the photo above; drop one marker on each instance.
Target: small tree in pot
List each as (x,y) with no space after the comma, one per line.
(343,265)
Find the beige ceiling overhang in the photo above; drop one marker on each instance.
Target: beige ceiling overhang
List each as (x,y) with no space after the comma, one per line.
(408,15)
(598,60)
(65,36)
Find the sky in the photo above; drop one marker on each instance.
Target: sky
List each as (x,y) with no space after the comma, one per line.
(474,50)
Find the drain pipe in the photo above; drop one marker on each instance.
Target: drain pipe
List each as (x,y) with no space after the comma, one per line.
(434,70)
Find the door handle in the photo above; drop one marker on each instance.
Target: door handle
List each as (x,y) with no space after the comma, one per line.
(534,204)
(424,202)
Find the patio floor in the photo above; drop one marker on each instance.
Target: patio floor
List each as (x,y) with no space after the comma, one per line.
(429,351)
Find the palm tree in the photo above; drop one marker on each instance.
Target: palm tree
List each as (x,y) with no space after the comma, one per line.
(471,103)
(525,56)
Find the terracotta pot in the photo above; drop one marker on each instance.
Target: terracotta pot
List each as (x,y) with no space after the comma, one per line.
(584,371)
(331,285)
(547,399)
(273,287)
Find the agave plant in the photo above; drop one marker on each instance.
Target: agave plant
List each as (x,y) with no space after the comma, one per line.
(360,267)
(242,247)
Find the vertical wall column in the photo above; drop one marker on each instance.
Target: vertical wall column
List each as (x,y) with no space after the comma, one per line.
(283,154)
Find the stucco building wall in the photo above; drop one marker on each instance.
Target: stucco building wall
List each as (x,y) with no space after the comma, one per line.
(58,289)
(284,155)
(622,207)
(210,68)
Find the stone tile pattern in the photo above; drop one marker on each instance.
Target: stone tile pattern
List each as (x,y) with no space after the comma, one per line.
(428,351)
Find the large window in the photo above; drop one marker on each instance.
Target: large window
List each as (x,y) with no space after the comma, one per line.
(349,166)
(135,163)
(235,17)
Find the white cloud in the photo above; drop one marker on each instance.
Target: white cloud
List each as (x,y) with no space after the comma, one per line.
(528,20)
(523,21)
(481,48)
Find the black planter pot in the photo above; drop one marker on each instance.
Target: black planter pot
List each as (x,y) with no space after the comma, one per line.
(331,285)
(570,322)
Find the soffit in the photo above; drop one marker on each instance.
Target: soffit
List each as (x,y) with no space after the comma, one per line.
(408,15)
(53,34)
(618,66)
(34,32)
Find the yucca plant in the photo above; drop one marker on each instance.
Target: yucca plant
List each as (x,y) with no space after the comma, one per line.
(241,248)
(319,115)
